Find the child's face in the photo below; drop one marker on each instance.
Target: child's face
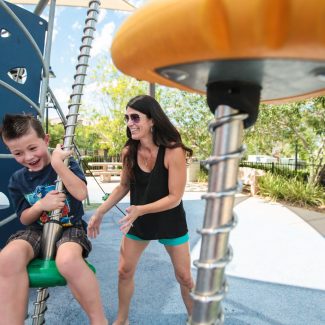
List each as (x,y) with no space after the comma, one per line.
(30,150)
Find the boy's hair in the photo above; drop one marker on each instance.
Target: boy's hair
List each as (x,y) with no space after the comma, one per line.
(16,126)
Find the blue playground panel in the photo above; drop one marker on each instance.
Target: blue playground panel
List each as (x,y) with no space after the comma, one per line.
(17,52)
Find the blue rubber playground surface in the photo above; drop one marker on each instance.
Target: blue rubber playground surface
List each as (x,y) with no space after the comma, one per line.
(276,276)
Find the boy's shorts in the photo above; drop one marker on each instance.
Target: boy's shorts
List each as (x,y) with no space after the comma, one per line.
(75,234)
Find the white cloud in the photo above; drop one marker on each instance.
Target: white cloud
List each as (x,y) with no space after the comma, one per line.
(62,95)
(102,15)
(76,25)
(91,91)
(103,39)
(73,60)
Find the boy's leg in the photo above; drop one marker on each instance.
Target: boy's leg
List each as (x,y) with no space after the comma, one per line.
(80,278)
(14,283)
(130,253)
(181,259)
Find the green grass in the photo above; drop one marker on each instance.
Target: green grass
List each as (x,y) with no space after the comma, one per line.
(91,206)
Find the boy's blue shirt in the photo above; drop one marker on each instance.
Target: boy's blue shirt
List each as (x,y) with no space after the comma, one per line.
(26,188)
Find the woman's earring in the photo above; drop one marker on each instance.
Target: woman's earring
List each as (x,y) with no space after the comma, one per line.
(151,129)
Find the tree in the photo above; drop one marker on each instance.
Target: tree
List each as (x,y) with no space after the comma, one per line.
(285,126)
(56,132)
(191,116)
(188,111)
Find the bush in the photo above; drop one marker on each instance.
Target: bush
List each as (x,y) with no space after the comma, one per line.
(293,191)
(203,175)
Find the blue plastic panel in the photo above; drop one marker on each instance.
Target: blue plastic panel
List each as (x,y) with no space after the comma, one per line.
(17,52)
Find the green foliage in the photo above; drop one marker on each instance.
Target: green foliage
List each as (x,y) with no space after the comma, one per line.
(281,130)
(203,175)
(191,115)
(56,132)
(187,111)
(292,191)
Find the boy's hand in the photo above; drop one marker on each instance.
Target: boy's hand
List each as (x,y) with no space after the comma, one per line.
(59,155)
(52,201)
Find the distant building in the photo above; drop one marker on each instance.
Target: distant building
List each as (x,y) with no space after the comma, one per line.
(261,159)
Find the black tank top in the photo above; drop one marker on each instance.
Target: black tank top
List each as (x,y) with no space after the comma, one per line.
(150,187)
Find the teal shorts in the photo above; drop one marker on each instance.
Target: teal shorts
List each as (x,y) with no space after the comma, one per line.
(167,241)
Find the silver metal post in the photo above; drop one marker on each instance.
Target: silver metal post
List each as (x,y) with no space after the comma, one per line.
(47,57)
(40,306)
(219,219)
(152,90)
(40,7)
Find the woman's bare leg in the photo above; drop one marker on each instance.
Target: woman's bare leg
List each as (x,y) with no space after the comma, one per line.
(181,259)
(130,253)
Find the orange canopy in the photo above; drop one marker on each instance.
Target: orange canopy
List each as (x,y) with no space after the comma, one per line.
(276,43)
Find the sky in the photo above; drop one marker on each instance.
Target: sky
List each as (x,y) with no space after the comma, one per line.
(68,30)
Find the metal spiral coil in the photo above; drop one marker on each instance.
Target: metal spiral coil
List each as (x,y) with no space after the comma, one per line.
(219,218)
(40,307)
(81,68)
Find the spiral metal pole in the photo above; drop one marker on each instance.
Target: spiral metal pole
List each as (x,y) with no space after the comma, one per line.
(53,229)
(219,218)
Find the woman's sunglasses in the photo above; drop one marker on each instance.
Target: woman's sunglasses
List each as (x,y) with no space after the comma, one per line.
(135,118)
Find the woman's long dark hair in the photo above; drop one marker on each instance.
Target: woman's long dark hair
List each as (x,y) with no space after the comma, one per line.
(164,132)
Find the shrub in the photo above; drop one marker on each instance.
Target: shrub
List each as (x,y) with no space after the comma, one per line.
(203,175)
(293,191)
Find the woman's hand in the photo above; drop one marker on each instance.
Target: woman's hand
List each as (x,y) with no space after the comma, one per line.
(132,213)
(94,225)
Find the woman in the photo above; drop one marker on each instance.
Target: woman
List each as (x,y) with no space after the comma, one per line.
(154,171)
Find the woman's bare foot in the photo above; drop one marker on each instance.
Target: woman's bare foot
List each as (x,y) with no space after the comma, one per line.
(119,323)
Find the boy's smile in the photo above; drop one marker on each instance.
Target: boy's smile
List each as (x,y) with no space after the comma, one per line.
(30,151)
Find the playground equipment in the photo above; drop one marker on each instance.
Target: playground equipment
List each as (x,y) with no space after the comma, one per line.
(17,85)
(238,54)
(25,27)
(23,46)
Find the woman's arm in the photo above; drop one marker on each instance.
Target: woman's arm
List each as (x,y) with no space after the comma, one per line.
(74,185)
(118,193)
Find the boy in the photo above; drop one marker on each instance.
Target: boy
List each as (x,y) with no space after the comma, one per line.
(31,191)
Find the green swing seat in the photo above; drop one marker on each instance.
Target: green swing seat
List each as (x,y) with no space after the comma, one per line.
(44,273)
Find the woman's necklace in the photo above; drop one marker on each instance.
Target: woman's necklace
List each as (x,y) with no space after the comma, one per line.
(147,160)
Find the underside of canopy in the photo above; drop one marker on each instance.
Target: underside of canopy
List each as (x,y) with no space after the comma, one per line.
(105,4)
(278,45)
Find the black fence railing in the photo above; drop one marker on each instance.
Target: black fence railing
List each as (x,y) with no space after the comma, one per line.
(299,170)
(97,158)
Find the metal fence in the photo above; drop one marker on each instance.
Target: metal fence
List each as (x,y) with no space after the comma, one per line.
(101,158)
(301,170)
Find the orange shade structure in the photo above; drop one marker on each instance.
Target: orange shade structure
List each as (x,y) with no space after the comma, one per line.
(277,44)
